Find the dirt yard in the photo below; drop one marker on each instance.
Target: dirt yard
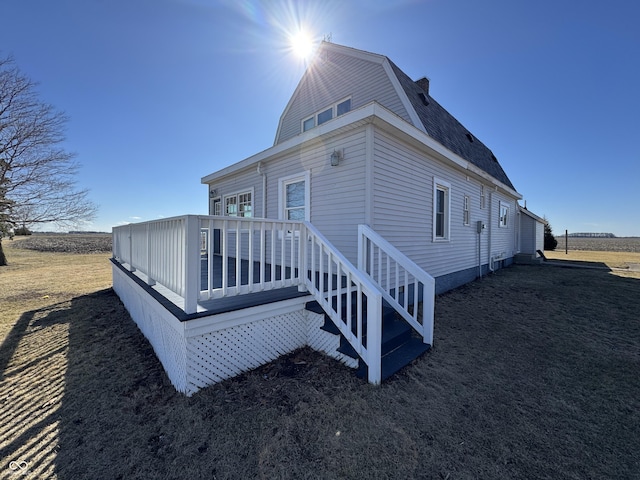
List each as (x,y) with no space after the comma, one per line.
(534,374)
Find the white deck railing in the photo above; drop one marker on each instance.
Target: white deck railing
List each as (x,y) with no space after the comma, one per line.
(347,295)
(403,283)
(207,257)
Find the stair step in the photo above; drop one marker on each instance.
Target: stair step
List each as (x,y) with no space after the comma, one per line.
(329,326)
(314,307)
(395,332)
(397,359)
(346,348)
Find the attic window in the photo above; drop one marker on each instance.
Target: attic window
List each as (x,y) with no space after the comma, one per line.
(325,116)
(308,124)
(423,97)
(469,137)
(335,110)
(343,107)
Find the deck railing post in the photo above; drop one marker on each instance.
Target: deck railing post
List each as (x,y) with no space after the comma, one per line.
(191,263)
(428,301)
(150,280)
(131,267)
(302,258)
(374,337)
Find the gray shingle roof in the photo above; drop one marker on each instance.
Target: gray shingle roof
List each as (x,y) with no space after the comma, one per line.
(448,131)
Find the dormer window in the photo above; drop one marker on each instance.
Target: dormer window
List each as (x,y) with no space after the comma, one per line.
(327,114)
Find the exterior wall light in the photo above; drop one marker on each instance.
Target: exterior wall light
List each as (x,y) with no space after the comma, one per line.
(336,156)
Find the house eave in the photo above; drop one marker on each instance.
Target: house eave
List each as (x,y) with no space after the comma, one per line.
(381,117)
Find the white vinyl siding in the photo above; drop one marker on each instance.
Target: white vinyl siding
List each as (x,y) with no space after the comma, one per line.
(337,194)
(403,177)
(360,80)
(247,181)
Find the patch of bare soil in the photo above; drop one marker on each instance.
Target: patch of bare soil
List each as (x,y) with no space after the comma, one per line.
(618,244)
(68,243)
(533,374)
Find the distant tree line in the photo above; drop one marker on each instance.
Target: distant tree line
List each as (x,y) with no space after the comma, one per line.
(591,235)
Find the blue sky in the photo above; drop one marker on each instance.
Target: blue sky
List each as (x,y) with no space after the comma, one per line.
(162,92)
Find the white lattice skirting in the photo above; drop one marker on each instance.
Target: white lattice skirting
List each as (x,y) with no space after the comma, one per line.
(204,351)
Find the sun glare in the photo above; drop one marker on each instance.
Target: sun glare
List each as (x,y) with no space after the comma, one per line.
(301,44)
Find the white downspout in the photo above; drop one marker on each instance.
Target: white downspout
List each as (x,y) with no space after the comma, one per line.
(264,189)
(490,259)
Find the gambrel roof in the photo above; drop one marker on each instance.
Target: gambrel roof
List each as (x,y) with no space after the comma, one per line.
(414,103)
(373,81)
(445,129)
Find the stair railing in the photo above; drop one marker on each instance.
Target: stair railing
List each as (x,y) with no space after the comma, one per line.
(402,283)
(347,296)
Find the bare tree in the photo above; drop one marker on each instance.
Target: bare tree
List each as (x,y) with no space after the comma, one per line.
(37,176)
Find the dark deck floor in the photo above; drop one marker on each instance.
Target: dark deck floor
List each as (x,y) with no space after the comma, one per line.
(227,304)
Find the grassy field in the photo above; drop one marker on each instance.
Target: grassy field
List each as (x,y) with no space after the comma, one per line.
(534,374)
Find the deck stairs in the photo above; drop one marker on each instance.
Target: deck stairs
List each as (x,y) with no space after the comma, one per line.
(400,344)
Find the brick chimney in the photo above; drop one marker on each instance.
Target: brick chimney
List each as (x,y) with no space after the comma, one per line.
(423,83)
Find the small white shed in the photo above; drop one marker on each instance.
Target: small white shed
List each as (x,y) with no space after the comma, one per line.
(531,233)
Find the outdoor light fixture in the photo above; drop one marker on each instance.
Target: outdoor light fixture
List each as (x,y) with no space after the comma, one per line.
(336,156)
(213,193)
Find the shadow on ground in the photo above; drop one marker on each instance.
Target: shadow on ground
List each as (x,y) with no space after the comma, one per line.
(534,374)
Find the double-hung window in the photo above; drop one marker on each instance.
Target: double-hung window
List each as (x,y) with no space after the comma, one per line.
(441,209)
(294,197)
(504,215)
(465,211)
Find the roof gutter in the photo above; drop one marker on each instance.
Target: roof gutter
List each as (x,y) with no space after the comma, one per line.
(380,116)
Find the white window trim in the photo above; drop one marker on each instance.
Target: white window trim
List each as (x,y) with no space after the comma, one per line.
(283,182)
(312,117)
(483,197)
(466,210)
(334,114)
(212,202)
(237,194)
(441,184)
(500,207)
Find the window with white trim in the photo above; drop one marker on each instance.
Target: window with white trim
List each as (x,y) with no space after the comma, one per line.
(465,211)
(441,209)
(326,114)
(238,205)
(343,107)
(308,123)
(504,215)
(216,206)
(483,197)
(293,198)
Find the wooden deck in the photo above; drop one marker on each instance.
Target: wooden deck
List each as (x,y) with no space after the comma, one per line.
(174,303)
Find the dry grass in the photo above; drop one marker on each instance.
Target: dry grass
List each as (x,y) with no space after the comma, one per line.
(534,374)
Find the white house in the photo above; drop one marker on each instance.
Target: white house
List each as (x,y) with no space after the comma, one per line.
(372,199)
